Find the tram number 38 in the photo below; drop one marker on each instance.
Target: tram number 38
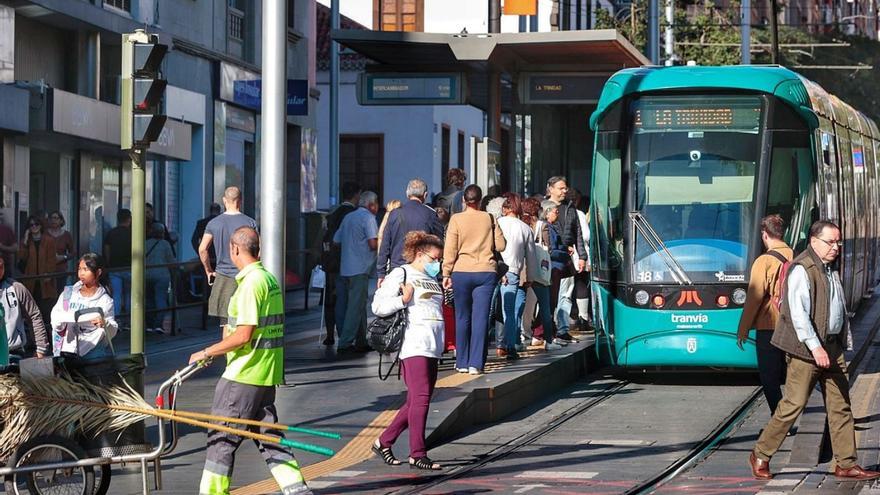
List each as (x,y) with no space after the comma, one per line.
(649,276)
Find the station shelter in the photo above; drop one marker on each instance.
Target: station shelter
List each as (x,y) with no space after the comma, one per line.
(546,85)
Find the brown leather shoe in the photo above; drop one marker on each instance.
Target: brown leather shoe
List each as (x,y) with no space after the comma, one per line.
(855,473)
(760,468)
(501,352)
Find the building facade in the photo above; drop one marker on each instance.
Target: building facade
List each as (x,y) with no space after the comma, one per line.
(63,57)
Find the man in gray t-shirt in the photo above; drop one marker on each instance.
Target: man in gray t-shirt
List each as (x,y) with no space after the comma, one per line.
(218,233)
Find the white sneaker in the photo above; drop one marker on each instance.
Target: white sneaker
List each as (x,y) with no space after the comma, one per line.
(560,342)
(552,346)
(537,341)
(474,371)
(461,370)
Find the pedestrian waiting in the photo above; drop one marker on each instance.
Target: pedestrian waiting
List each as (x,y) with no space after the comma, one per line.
(158,278)
(469,268)
(538,294)
(335,295)
(38,256)
(414,286)
(520,241)
(22,321)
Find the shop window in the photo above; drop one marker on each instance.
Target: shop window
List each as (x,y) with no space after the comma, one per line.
(399,15)
(445,143)
(119,4)
(361,161)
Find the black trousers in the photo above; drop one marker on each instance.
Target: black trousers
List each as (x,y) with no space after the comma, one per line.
(771,368)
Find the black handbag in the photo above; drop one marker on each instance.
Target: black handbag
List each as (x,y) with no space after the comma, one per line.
(385,335)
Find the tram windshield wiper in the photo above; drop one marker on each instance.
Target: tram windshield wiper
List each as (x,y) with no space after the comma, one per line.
(657,244)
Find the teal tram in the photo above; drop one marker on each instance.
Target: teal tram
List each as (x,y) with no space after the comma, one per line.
(687,161)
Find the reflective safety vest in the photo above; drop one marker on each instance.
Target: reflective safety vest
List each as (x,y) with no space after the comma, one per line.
(257,301)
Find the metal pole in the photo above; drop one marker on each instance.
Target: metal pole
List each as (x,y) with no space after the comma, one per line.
(745,24)
(138,238)
(670,35)
(493,122)
(494,16)
(653,32)
(774,32)
(334,106)
(273,167)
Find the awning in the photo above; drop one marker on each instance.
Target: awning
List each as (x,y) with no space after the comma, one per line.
(595,51)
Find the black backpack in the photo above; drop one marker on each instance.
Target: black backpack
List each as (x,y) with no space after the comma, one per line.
(331,253)
(385,335)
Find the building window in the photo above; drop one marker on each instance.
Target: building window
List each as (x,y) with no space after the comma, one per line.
(235,21)
(399,15)
(361,161)
(119,4)
(444,150)
(291,17)
(461,149)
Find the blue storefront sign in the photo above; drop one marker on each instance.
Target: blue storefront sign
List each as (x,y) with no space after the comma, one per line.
(247,93)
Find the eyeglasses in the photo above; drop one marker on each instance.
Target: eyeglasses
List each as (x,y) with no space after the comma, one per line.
(837,244)
(433,259)
(32,224)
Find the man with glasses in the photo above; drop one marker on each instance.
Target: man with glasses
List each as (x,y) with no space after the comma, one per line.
(813,330)
(569,228)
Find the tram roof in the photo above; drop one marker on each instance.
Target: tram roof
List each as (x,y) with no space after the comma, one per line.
(771,79)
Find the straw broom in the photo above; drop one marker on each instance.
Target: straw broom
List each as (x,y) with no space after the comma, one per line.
(56,405)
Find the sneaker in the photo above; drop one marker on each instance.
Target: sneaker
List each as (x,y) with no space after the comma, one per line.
(512,356)
(560,342)
(552,346)
(150,330)
(461,370)
(536,341)
(474,371)
(161,331)
(567,337)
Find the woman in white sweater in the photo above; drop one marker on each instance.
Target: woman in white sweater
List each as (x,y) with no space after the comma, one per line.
(90,336)
(414,286)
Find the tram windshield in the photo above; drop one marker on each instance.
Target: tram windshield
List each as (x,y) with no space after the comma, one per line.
(694,168)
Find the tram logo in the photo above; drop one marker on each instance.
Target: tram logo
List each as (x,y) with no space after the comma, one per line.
(691,345)
(723,277)
(697,318)
(689,296)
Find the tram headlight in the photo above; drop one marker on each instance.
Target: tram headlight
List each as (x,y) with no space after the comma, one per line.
(722,301)
(739,296)
(641,298)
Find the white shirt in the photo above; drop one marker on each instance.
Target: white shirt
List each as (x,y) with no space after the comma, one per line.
(585,232)
(82,338)
(424,332)
(519,238)
(798,285)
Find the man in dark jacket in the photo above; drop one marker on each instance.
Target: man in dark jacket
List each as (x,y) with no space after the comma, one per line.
(569,228)
(412,215)
(451,197)
(335,291)
(812,329)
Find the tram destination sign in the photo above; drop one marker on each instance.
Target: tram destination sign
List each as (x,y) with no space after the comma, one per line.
(560,88)
(719,113)
(384,88)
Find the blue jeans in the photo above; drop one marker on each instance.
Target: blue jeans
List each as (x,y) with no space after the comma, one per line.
(513,301)
(354,330)
(473,293)
(120,282)
(545,310)
(563,305)
(157,298)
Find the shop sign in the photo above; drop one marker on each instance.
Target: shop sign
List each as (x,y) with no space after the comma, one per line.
(245,88)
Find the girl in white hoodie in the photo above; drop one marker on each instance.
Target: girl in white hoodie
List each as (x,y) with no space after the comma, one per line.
(414,287)
(90,337)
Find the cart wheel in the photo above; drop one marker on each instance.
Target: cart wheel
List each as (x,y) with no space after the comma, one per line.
(45,450)
(103,483)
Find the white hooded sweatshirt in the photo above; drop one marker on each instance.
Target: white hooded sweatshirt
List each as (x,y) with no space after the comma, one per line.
(82,338)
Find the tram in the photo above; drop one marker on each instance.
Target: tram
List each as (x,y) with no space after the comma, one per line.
(687,161)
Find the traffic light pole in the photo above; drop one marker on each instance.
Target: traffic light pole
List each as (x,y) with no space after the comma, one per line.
(138,239)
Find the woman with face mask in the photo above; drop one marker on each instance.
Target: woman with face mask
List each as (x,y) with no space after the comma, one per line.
(414,286)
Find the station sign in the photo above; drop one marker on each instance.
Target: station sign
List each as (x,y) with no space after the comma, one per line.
(562,88)
(385,88)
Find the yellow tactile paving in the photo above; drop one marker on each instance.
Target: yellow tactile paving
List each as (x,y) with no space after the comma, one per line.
(358,449)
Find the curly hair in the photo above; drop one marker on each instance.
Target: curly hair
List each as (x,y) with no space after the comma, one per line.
(417,241)
(531,210)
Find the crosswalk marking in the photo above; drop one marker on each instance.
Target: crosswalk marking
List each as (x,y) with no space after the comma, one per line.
(572,475)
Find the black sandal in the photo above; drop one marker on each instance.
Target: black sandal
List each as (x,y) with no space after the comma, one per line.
(424,463)
(385,453)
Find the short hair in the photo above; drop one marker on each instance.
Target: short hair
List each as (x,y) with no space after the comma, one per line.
(416,188)
(512,203)
(368,198)
(455,176)
(350,189)
(232,193)
(555,179)
(773,226)
(60,217)
(247,238)
(819,225)
(416,241)
(472,195)
(123,215)
(215,208)
(157,231)
(546,207)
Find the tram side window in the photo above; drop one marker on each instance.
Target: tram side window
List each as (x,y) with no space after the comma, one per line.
(607,208)
(790,178)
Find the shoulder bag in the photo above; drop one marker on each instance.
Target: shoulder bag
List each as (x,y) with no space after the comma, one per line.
(385,335)
(541,269)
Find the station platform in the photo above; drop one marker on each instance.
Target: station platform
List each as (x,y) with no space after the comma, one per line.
(345,395)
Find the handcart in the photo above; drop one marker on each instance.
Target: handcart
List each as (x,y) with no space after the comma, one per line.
(52,464)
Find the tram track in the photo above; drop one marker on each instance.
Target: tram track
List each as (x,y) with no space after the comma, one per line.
(521,441)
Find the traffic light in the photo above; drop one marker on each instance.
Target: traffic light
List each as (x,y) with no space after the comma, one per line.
(143,90)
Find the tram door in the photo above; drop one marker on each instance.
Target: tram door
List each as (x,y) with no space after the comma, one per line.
(849,227)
